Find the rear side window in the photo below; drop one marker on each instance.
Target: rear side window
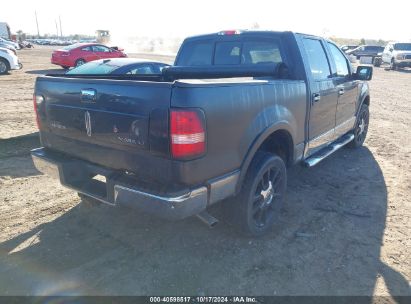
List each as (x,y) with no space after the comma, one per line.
(141,70)
(319,67)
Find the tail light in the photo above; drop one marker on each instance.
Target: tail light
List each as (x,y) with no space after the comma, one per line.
(37,101)
(187,133)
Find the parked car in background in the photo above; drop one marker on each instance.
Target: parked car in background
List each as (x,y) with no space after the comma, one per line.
(8,46)
(78,54)
(10,42)
(346,48)
(366,51)
(120,66)
(397,55)
(8,61)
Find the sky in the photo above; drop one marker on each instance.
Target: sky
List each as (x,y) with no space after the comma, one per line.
(181,18)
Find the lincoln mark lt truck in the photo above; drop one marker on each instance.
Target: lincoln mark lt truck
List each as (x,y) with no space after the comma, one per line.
(224,123)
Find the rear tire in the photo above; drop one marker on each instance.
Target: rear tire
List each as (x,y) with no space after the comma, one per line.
(361,127)
(88,201)
(257,207)
(4,66)
(377,62)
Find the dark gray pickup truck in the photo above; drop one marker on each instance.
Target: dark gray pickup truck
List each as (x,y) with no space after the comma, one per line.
(224,122)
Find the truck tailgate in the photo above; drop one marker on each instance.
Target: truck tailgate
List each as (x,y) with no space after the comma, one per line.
(83,117)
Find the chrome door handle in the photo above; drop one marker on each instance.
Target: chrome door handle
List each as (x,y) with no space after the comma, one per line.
(341,91)
(88,95)
(316,97)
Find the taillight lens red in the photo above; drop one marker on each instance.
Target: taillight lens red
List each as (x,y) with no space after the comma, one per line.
(187,133)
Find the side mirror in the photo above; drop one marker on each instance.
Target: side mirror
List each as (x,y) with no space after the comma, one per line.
(364,72)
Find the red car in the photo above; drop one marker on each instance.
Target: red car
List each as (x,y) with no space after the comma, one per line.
(77,54)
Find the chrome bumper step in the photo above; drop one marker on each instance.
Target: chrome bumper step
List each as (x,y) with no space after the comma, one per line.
(327,151)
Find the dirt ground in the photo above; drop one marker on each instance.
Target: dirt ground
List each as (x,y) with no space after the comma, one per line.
(345,230)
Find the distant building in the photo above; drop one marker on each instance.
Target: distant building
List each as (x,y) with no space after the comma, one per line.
(4,30)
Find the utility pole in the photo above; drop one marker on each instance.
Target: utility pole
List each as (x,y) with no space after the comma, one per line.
(57,29)
(61,31)
(38,31)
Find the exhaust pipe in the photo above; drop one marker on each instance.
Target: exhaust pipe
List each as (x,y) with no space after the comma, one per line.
(207,218)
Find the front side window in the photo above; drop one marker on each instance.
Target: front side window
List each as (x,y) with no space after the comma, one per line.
(340,61)
(317,59)
(101,48)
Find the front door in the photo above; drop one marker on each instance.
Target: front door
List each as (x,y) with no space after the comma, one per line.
(347,89)
(324,95)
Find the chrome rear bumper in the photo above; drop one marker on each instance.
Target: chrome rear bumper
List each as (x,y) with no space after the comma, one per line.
(115,191)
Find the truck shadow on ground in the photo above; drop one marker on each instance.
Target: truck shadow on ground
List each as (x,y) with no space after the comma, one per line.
(327,243)
(15,160)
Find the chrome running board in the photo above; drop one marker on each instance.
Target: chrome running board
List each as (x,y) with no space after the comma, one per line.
(327,151)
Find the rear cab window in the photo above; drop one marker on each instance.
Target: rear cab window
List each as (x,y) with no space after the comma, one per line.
(243,50)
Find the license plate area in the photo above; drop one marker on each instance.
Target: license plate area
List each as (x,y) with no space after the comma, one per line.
(89,179)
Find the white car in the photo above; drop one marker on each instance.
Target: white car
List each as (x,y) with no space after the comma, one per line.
(8,61)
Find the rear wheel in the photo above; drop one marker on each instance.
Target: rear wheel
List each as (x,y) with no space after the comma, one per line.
(377,62)
(88,201)
(4,66)
(393,66)
(80,62)
(257,207)
(361,127)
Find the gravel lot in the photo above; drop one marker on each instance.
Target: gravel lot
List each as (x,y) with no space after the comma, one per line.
(346,228)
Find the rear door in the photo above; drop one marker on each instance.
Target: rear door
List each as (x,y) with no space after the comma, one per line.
(324,94)
(347,89)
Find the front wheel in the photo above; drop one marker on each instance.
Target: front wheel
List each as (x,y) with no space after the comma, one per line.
(361,127)
(257,207)
(4,67)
